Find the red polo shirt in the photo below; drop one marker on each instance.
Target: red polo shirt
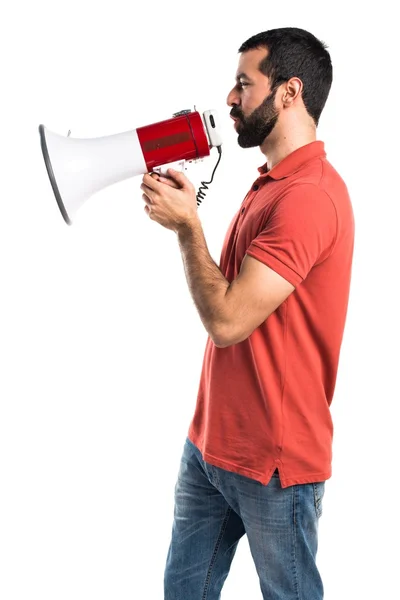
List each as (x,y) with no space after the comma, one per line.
(264,403)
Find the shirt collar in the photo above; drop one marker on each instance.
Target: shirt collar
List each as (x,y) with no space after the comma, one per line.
(293,161)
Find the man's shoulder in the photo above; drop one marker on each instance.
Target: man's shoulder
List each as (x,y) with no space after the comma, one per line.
(320,177)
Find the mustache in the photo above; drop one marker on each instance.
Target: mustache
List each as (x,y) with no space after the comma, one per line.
(236,114)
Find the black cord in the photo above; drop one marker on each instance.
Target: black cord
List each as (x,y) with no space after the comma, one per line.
(204,184)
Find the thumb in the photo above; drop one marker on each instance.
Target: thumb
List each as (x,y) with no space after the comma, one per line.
(179,178)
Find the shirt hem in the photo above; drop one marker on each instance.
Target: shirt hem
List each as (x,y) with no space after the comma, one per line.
(262,477)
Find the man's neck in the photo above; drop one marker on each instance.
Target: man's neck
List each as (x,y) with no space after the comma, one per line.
(280,144)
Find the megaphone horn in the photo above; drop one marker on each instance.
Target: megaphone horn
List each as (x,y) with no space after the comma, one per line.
(80,167)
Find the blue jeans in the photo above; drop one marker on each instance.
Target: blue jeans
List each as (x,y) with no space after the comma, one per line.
(214,508)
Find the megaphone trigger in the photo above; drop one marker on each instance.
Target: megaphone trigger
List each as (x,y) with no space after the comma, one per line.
(163,169)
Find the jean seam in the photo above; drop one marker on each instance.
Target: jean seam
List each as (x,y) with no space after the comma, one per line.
(317,501)
(217,545)
(294,555)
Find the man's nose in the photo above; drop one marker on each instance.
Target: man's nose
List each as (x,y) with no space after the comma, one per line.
(232,98)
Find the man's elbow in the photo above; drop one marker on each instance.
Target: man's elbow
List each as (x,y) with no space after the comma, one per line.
(229,336)
(218,336)
(220,343)
(225,337)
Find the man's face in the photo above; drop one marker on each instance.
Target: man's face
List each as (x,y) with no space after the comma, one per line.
(253,104)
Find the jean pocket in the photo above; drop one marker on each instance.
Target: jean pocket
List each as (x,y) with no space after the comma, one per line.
(319,490)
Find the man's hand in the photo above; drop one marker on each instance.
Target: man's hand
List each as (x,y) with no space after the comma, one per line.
(170,201)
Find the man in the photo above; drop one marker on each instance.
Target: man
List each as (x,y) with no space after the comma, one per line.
(258,450)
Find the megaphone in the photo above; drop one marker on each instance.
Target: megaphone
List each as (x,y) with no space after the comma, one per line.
(80,167)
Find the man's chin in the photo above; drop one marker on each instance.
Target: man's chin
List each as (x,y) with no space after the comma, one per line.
(246,143)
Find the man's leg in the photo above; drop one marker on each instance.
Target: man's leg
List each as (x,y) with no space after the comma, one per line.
(282,529)
(205,533)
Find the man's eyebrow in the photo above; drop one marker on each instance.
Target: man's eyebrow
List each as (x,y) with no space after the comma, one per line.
(242,76)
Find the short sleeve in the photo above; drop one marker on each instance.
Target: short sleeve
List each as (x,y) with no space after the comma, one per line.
(299,232)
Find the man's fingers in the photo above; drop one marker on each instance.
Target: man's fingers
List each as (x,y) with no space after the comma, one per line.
(151,181)
(147,190)
(180,178)
(169,181)
(146,199)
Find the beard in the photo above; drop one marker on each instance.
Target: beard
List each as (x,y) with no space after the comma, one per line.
(255,128)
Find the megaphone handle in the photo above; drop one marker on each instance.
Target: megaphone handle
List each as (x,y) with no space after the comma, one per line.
(162,169)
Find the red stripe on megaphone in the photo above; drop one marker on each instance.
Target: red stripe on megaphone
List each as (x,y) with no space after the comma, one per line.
(180,138)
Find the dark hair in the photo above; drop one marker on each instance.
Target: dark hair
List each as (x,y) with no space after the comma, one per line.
(295,52)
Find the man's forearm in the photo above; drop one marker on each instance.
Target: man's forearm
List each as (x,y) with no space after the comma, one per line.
(206,283)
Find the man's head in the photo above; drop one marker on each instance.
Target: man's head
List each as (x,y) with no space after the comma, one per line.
(279,70)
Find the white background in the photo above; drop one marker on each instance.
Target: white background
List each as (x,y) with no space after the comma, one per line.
(101,345)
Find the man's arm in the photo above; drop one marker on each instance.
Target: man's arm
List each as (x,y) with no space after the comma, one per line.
(229,312)
(206,283)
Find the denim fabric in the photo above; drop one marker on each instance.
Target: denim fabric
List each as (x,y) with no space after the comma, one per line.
(214,508)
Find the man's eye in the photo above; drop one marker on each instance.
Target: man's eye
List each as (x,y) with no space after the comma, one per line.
(242,84)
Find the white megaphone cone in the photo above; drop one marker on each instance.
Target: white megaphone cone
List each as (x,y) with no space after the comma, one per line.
(78,168)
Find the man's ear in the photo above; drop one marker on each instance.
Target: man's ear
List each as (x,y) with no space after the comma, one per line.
(292,91)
